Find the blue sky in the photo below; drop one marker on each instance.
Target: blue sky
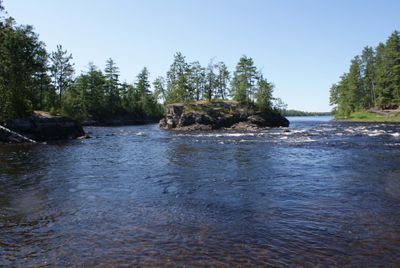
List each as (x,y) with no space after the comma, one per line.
(301,46)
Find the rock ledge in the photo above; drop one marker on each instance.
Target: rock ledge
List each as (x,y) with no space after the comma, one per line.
(41,127)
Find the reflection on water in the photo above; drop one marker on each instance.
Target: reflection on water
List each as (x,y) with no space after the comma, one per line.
(319,193)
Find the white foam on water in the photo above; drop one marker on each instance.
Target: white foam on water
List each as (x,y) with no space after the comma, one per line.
(300,140)
(375,133)
(218,135)
(396,134)
(392,144)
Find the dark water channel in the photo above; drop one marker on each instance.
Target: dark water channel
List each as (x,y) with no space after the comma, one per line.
(317,194)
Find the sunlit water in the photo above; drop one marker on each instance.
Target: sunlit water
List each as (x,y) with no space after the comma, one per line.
(317,194)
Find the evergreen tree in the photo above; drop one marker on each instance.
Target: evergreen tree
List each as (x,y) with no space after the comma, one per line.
(197,80)
(368,77)
(244,79)
(85,99)
(178,87)
(130,100)
(392,65)
(159,88)
(264,94)
(112,93)
(62,71)
(19,61)
(355,86)
(211,81)
(334,95)
(142,87)
(222,79)
(383,96)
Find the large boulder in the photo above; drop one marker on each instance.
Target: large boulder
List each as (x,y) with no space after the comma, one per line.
(43,127)
(217,115)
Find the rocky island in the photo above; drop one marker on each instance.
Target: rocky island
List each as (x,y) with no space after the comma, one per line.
(205,115)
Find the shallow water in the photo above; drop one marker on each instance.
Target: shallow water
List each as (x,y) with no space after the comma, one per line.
(319,193)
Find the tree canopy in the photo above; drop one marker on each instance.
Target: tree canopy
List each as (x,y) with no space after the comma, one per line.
(373,79)
(188,82)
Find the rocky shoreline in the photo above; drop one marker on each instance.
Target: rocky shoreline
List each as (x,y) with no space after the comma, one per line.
(218,115)
(39,128)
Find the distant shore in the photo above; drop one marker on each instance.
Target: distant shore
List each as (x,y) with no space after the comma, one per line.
(373,116)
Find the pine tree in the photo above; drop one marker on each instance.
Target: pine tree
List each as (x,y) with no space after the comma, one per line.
(62,71)
(244,79)
(20,61)
(159,88)
(113,100)
(178,87)
(142,87)
(355,86)
(264,94)
(368,77)
(197,80)
(392,65)
(211,81)
(223,80)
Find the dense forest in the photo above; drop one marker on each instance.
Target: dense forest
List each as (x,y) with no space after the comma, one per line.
(373,80)
(31,78)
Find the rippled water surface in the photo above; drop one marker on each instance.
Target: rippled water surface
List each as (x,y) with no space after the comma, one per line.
(319,193)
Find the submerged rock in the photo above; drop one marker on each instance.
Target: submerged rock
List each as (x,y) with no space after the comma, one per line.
(42,127)
(217,115)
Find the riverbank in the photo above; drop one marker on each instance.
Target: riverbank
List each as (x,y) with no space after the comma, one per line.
(40,127)
(372,115)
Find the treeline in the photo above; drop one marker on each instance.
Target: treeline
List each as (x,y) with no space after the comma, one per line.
(292,112)
(373,80)
(186,82)
(31,78)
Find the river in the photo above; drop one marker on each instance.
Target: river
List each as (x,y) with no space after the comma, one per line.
(319,193)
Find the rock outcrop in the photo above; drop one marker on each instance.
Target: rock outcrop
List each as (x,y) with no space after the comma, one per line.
(218,115)
(40,127)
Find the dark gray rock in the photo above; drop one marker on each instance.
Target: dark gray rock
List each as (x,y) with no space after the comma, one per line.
(46,128)
(217,115)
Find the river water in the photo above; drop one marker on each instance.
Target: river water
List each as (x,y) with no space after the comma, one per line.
(319,193)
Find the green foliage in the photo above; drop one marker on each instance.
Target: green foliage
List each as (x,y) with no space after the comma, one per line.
(97,96)
(178,85)
(264,95)
(197,80)
(159,88)
(20,62)
(86,98)
(62,71)
(192,82)
(211,82)
(364,116)
(222,81)
(113,102)
(244,80)
(373,80)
